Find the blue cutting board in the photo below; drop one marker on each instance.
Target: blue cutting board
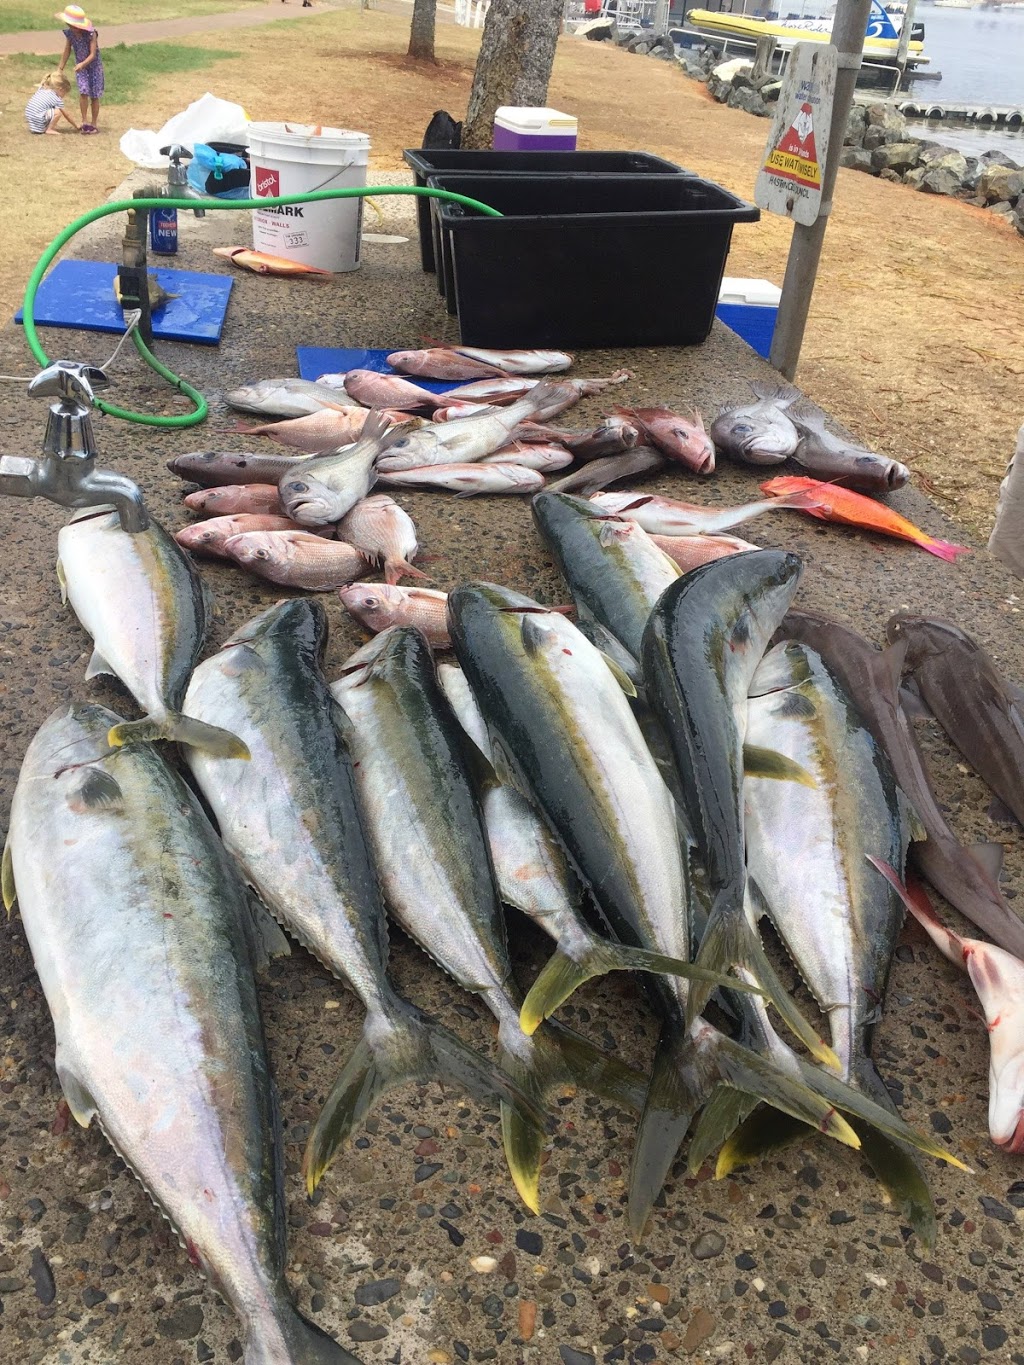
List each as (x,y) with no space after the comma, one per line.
(317,360)
(80,294)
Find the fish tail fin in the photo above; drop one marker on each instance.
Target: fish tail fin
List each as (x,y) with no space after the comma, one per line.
(182,729)
(564,973)
(396,569)
(943,549)
(554,1059)
(305,1343)
(760,1134)
(411,1047)
(897,1169)
(730,940)
(724,1113)
(681,1081)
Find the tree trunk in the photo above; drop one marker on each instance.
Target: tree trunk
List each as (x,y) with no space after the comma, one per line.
(421,35)
(514,66)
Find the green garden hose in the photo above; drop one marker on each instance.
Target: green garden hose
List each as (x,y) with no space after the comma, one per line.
(191,419)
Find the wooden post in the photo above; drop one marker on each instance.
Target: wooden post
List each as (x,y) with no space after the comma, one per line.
(904,43)
(763,55)
(848,32)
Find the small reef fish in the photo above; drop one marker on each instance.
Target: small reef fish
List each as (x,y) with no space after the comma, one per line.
(236,499)
(261,263)
(854,509)
(380,605)
(684,440)
(761,432)
(297,559)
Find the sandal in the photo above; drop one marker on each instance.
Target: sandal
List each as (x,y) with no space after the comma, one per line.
(89,128)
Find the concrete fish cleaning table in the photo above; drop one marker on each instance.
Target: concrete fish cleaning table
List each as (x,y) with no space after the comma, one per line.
(795,1260)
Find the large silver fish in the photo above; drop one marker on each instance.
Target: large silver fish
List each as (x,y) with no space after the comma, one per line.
(291,820)
(540,684)
(144,945)
(413,769)
(808,868)
(284,397)
(329,485)
(703,643)
(614,570)
(142,602)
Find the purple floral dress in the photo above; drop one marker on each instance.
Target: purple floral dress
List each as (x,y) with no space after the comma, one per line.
(90,80)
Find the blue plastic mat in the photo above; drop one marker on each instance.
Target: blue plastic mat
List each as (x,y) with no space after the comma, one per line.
(80,294)
(317,360)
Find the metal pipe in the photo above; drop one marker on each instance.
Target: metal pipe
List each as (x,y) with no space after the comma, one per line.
(848,30)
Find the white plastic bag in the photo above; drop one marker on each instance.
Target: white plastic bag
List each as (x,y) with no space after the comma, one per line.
(207,119)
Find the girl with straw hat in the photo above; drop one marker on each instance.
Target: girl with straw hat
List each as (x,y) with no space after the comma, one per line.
(81,38)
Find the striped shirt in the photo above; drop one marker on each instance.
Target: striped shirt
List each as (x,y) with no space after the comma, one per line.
(39,110)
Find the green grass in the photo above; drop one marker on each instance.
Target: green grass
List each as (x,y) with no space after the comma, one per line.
(25,16)
(128,70)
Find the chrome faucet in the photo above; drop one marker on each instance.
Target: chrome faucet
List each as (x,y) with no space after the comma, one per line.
(177,176)
(67,472)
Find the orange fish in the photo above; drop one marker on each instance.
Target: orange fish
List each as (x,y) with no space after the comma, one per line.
(262,264)
(833,503)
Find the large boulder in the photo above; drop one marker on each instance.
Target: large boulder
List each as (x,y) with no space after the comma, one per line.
(857,159)
(1018,221)
(999,157)
(856,124)
(771,92)
(897,156)
(748,100)
(998,182)
(1003,210)
(718,89)
(934,154)
(887,173)
(938,179)
(887,117)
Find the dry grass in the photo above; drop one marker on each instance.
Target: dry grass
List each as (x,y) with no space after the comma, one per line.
(915,339)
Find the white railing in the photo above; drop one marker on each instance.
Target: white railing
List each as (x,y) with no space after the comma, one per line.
(630,15)
(471,13)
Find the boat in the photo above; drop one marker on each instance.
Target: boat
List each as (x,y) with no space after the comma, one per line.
(881,40)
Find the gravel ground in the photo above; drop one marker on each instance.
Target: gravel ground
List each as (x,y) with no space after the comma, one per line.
(415,1248)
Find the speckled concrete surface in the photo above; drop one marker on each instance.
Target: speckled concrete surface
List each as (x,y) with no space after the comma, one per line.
(795,1261)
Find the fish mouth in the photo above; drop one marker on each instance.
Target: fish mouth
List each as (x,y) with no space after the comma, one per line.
(1015,1142)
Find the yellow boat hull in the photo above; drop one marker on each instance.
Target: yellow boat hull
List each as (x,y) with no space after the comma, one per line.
(749,26)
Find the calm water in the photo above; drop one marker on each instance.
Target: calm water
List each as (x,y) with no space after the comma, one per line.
(981,56)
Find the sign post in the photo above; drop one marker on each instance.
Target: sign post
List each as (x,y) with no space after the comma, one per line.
(789,184)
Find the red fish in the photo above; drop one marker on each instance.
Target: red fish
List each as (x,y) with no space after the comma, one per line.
(832,503)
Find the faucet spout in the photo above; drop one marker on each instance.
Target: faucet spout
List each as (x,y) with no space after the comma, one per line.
(75,483)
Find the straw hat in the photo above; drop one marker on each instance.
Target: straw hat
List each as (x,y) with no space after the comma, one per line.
(75,17)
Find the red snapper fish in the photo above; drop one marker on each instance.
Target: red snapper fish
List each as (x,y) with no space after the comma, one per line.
(379,605)
(689,552)
(234,499)
(373,390)
(297,559)
(684,440)
(381,530)
(211,537)
(262,263)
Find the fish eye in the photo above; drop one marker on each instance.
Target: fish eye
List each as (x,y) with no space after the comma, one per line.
(742,428)
(298,488)
(262,554)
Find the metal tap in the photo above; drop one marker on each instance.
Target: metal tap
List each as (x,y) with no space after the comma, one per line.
(177,176)
(67,472)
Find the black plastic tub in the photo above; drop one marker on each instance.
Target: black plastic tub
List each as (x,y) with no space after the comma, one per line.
(489,189)
(589,261)
(426,162)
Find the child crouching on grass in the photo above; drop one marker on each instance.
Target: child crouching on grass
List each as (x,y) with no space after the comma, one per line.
(45,109)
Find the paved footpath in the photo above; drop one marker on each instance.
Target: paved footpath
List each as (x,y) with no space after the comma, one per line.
(52,40)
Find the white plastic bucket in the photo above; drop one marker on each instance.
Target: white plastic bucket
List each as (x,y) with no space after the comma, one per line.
(291,158)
